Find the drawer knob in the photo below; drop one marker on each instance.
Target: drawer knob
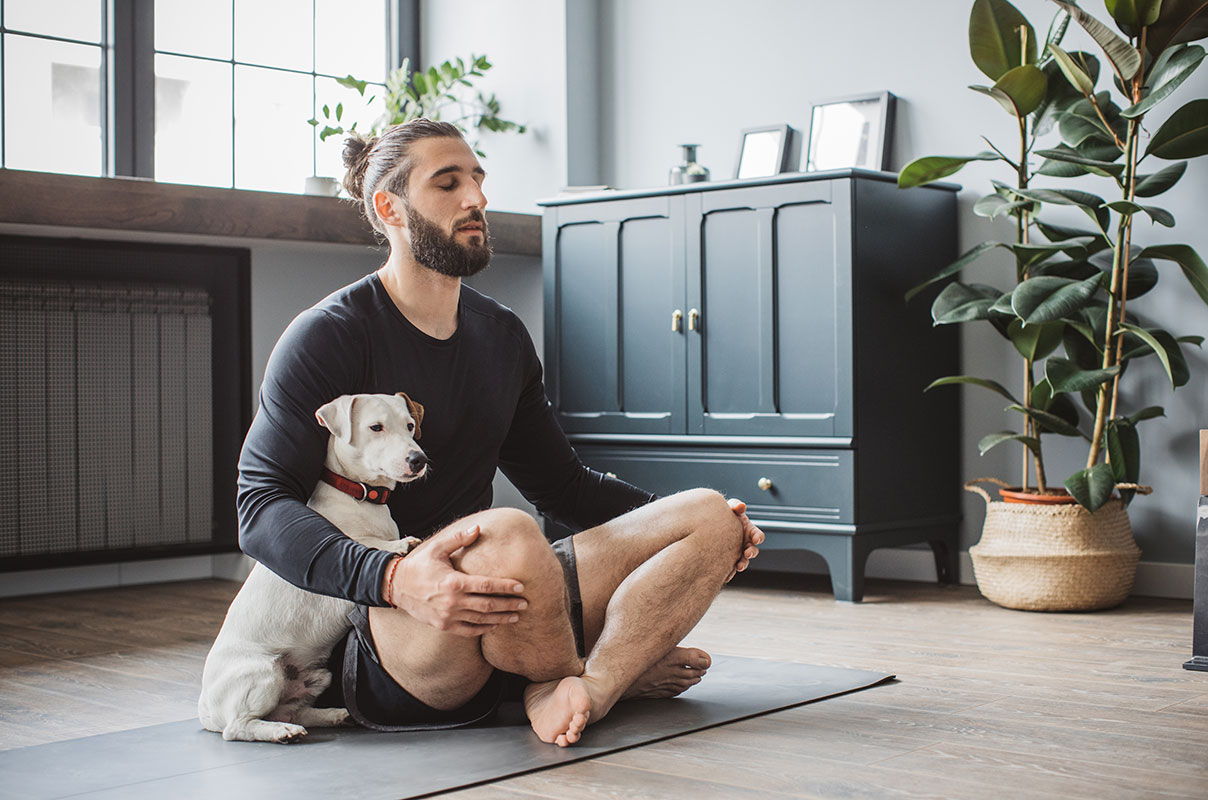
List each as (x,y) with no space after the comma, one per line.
(764,484)
(693,320)
(677,318)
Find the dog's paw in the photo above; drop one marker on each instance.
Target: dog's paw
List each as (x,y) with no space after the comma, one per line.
(402,546)
(288,732)
(258,730)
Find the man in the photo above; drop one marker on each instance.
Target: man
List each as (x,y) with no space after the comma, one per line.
(594,619)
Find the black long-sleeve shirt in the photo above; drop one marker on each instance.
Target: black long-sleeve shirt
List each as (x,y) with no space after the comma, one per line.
(484,406)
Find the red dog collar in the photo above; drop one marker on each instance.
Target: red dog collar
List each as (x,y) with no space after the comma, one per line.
(355,489)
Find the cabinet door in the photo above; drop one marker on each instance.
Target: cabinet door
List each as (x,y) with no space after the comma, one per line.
(769,272)
(614,280)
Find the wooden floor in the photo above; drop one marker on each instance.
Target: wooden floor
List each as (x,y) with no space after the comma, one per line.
(990,703)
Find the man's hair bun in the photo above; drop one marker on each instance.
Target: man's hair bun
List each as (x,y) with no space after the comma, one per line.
(356,159)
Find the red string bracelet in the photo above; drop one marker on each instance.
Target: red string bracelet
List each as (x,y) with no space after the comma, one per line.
(390,581)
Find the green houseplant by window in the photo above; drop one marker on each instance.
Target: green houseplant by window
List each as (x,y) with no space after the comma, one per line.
(439,93)
(1069,308)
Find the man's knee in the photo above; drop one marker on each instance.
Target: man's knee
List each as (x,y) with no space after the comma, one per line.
(510,545)
(709,514)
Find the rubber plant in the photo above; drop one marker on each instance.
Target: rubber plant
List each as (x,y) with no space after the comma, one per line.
(439,93)
(1069,311)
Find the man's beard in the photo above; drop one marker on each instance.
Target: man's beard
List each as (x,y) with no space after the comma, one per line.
(432,248)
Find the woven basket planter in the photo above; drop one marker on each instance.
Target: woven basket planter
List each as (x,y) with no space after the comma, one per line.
(1054,557)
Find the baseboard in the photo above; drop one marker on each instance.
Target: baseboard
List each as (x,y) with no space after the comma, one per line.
(229,566)
(1154,578)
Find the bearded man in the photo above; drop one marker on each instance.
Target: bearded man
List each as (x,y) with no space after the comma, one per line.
(485,608)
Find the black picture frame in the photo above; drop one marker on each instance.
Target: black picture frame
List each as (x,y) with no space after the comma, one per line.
(766,150)
(855,131)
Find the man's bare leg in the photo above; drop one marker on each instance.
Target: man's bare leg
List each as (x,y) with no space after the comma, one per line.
(444,670)
(646,579)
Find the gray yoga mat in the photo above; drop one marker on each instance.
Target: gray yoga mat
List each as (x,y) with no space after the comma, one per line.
(181,760)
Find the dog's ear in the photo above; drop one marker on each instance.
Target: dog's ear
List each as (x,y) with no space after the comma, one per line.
(336,416)
(416,411)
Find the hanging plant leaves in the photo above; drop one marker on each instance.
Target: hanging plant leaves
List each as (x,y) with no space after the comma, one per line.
(929,169)
(966,259)
(1092,487)
(994,38)
(1167,77)
(1154,345)
(1066,376)
(961,303)
(985,383)
(1184,135)
(1047,298)
(1035,342)
(1149,412)
(1124,57)
(995,439)
(1158,215)
(1193,266)
(1158,182)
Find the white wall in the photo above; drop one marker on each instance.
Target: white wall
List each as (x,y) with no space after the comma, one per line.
(674,71)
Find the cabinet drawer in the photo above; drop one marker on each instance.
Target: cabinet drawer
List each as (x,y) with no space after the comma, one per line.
(801,485)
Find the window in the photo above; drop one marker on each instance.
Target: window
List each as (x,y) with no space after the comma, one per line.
(54,55)
(234,83)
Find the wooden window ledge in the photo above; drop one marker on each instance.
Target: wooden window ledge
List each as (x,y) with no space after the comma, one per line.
(137,204)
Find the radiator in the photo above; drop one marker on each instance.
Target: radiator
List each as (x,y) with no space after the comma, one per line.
(106,403)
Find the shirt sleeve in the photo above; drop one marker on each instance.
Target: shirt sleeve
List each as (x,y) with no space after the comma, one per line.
(539,460)
(283,456)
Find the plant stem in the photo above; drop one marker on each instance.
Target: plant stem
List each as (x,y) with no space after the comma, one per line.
(1031,427)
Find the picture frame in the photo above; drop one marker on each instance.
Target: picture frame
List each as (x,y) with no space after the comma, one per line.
(766,150)
(855,131)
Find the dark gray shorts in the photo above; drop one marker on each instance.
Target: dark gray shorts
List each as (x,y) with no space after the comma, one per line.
(375,700)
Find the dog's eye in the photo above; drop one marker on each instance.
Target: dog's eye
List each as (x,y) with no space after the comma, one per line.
(410,426)
(377,427)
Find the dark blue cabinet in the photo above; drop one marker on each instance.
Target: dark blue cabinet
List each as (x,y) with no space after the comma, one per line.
(752,337)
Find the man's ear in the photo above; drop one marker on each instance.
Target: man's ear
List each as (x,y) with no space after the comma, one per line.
(416,411)
(337,417)
(389,208)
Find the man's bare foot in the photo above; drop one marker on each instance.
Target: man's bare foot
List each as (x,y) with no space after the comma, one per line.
(673,674)
(559,710)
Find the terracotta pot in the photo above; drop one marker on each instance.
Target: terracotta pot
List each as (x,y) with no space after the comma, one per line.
(1053,497)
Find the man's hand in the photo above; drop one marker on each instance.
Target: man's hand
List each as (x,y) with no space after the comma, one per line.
(429,588)
(752,537)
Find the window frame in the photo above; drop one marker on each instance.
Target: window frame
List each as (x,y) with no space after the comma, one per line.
(128,79)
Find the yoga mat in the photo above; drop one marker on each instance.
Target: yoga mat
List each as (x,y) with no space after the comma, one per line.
(182,760)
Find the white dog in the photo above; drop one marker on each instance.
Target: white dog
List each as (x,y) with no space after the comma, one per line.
(268,663)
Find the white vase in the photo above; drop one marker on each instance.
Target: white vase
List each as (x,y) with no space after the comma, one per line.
(327,187)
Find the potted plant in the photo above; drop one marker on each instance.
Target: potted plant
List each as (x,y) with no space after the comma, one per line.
(1069,307)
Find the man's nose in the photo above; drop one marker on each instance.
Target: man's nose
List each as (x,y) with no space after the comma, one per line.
(474,198)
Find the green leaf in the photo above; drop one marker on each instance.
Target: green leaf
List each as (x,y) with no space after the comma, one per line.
(1142,276)
(1057,233)
(1184,135)
(1165,81)
(985,383)
(339,111)
(932,168)
(1092,487)
(1000,96)
(1158,182)
(1066,376)
(1050,422)
(1025,86)
(329,131)
(1193,266)
(1149,412)
(1072,72)
(1030,254)
(1080,347)
(993,206)
(1064,153)
(1124,56)
(1047,298)
(1124,454)
(1081,125)
(1035,342)
(1198,341)
(1089,203)
(995,42)
(961,303)
(1159,215)
(995,439)
(1154,345)
(956,266)
(1178,21)
(1132,15)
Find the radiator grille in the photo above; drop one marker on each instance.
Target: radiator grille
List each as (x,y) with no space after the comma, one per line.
(106,406)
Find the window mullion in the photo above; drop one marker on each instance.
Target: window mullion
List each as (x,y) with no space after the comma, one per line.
(133,88)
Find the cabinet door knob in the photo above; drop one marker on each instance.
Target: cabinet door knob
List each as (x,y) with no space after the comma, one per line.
(693,319)
(677,317)
(764,484)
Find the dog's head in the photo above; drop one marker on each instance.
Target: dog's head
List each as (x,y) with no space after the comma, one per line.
(373,437)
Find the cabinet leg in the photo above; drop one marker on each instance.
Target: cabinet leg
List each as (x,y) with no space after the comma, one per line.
(946,567)
(846,561)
